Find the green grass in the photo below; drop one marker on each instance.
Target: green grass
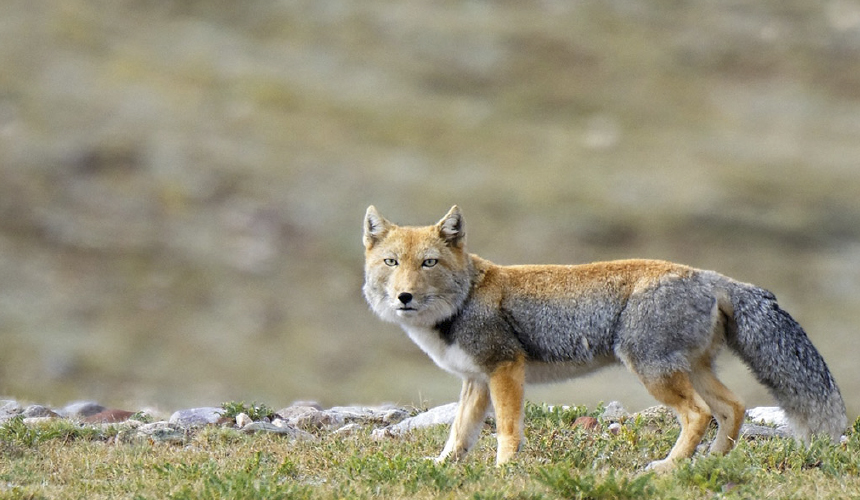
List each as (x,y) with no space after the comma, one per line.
(256,411)
(61,459)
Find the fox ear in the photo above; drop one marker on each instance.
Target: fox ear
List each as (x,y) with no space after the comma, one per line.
(375,227)
(452,227)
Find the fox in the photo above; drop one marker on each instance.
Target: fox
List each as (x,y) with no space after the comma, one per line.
(501,327)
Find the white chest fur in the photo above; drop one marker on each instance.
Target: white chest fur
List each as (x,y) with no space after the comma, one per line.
(449,357)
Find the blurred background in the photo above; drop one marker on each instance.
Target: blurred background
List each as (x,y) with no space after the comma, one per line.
(182,183)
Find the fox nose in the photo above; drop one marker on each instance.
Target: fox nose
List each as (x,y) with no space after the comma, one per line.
(405,298)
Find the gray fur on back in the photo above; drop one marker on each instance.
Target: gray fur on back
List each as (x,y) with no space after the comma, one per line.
(668,324)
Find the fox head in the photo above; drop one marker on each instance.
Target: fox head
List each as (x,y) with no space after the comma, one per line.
(416,275)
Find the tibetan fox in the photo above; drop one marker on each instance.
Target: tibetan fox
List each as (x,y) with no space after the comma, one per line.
(499,327)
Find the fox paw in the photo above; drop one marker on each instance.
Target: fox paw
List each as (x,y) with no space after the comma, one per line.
(447,458)
(661,466)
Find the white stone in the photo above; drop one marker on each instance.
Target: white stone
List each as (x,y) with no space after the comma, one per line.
(439,415)
(770,415)
(614,411)
(242,420)
(196,417)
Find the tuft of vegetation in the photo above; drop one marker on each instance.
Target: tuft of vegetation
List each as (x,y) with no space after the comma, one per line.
(61,459)
(256,411)
(14,432)
(586,486)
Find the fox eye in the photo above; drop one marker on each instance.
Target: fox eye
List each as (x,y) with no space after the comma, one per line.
(390,262)
(430,262)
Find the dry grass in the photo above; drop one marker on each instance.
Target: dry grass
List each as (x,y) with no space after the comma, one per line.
(61,460)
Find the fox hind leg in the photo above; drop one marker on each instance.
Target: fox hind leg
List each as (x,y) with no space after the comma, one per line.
(471,411)
(676,391)
(726,407)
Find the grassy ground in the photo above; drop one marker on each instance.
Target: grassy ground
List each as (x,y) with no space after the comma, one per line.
(63,460)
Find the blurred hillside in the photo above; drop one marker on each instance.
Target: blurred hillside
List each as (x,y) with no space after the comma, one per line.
(182,183)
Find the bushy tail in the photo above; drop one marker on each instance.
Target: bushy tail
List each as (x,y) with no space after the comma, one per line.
(783,359)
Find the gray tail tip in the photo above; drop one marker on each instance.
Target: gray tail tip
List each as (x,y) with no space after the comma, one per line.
(830,421)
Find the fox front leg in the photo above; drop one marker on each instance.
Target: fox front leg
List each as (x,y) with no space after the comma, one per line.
(471,412)
(507,385)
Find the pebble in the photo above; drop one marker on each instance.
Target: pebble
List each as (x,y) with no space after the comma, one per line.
(588,424)
(9,409)
(307,420)
(766,421)
(349,429)
(751,431)
(614,412)
(311,419)
(108,417)
(440,415)
(291,432)
(81,409)
(197,417)
(160,432)
(769,415)
(242,420)
(38,411)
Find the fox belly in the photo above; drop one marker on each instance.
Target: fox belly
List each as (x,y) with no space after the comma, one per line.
(455,360)
(538,372)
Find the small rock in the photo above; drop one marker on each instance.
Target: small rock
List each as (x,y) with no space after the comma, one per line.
(312,419)
(242,420)
(38,411)
(81,409)
(615,428)
(196,417)
(225,422)
(773,415)
(439,415)
(9,408)
(614,412)
(291,432)
(587,423)
(127,425)
(279,422)
(385,414)
(657,416)
(348,429)
(108,417)
(752,431)
(340,415)
(384,433)
(295,412)
(161,432)
(265,427)
(316,420)
(394,415)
